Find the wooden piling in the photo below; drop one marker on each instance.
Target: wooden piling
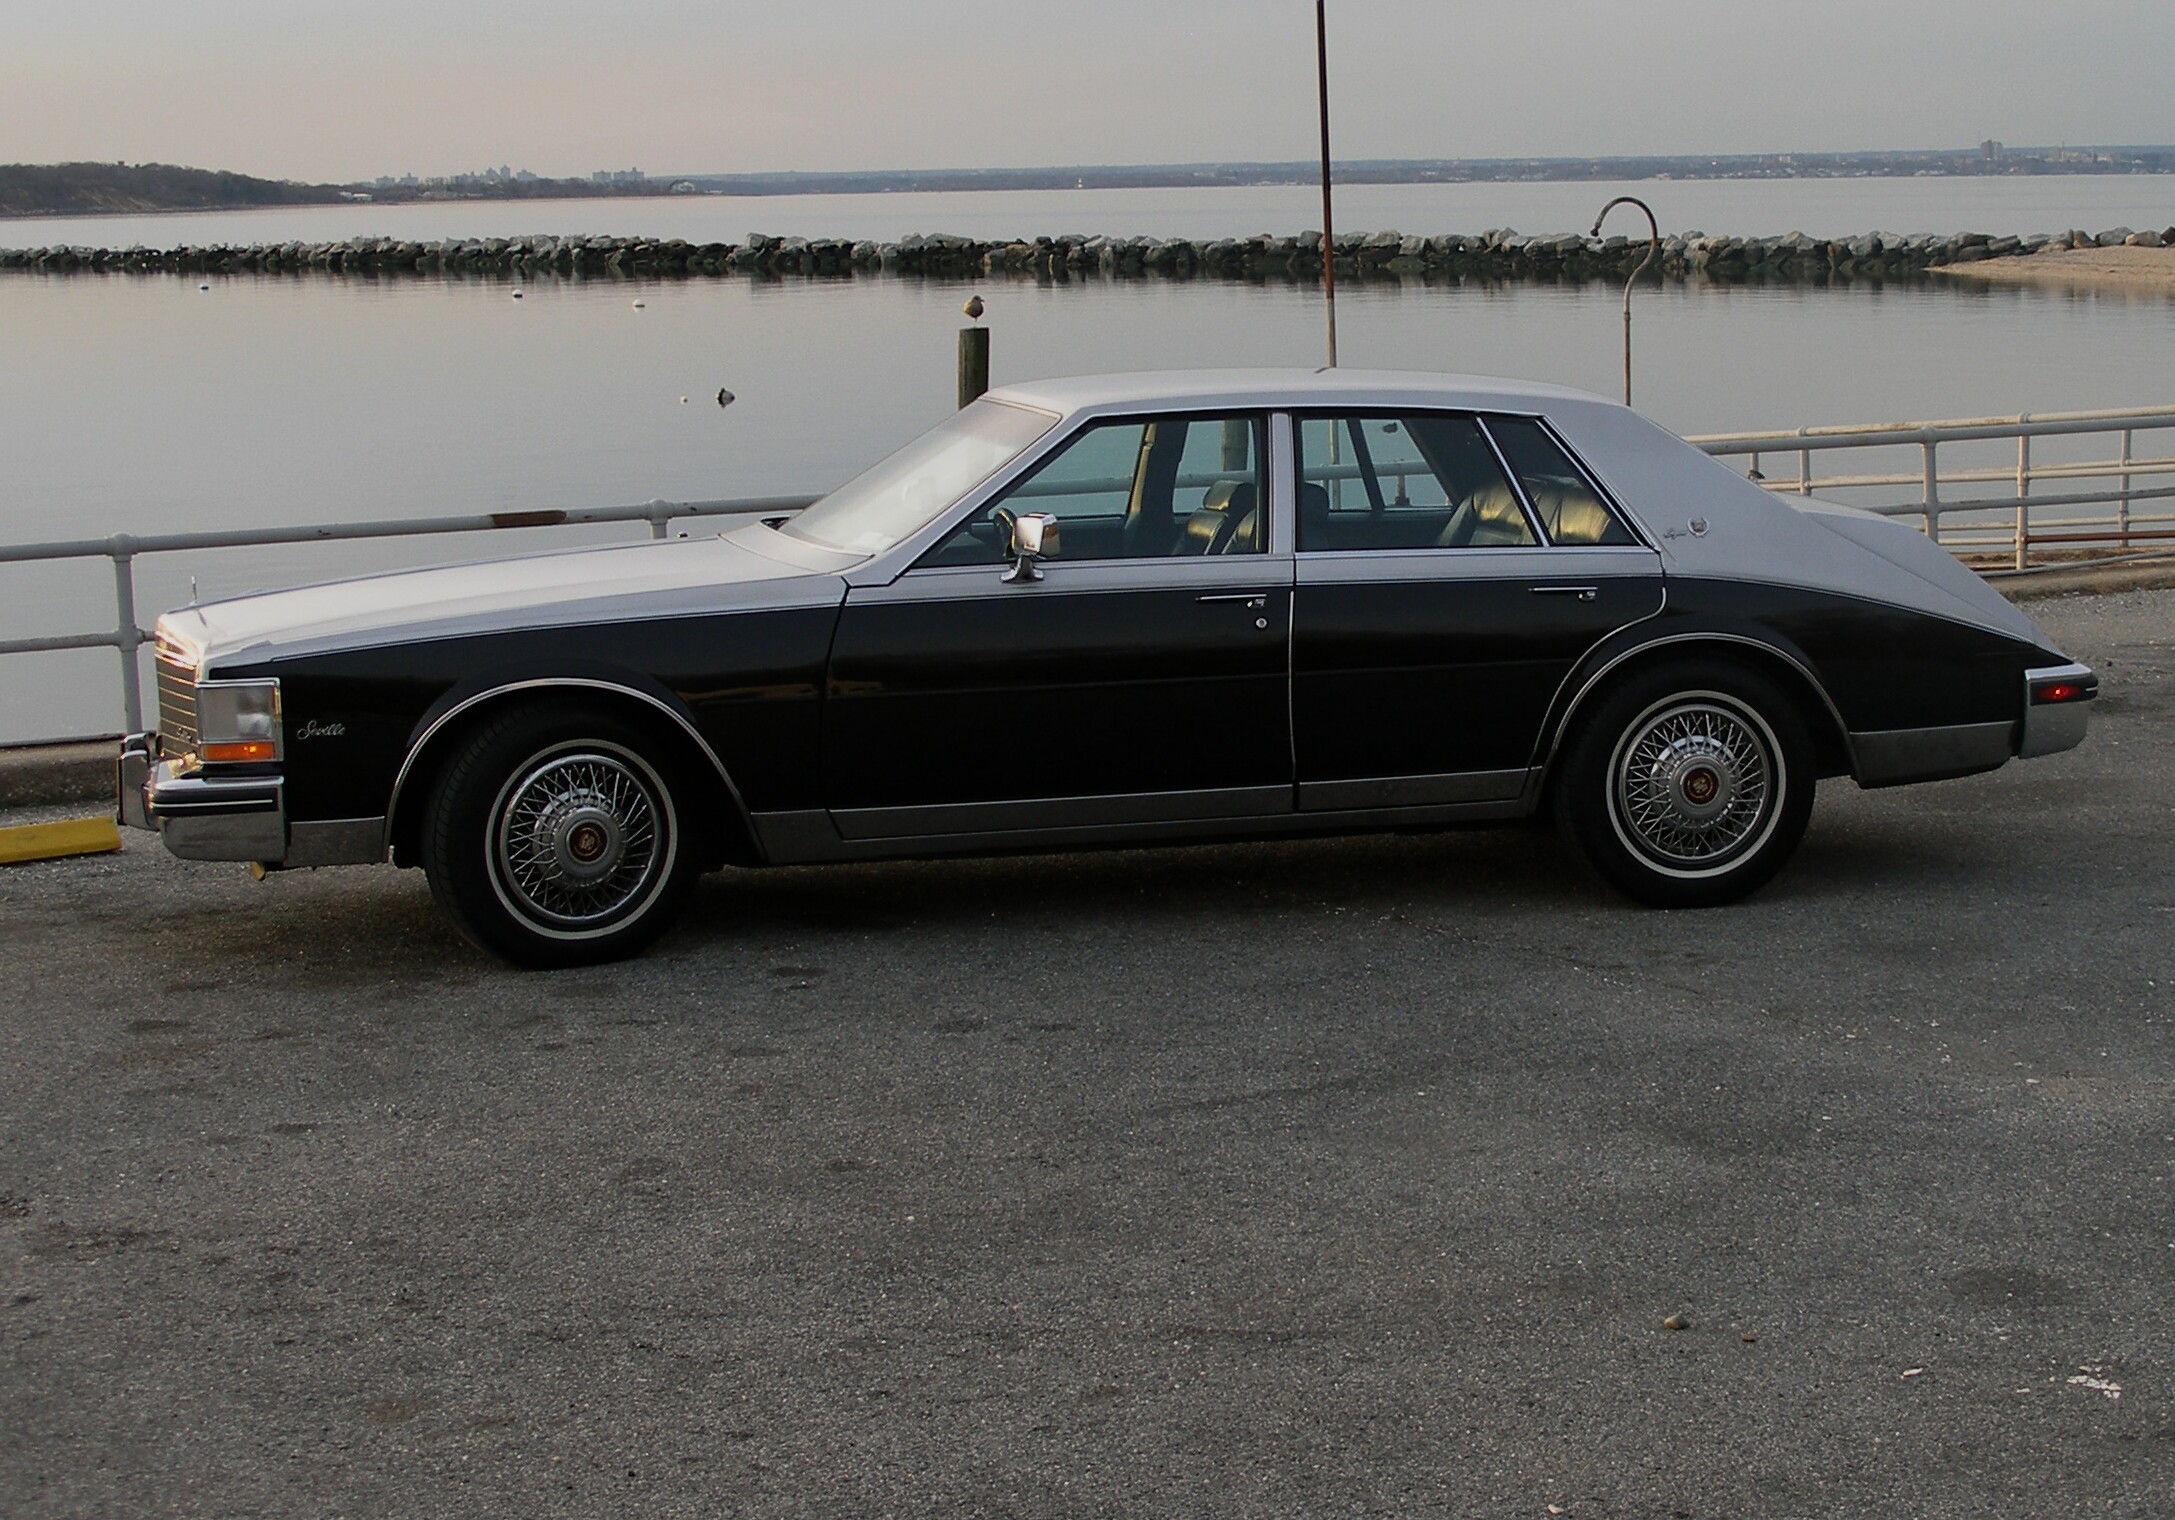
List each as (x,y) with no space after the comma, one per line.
(973,363)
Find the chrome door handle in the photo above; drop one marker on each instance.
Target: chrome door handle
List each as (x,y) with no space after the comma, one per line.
(1257,600)
(1583,593)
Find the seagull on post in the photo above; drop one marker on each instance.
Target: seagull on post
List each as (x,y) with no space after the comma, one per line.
(974,307)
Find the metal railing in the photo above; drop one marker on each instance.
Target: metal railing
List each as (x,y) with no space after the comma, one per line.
(2078,525)
(124,549)
(2008,526)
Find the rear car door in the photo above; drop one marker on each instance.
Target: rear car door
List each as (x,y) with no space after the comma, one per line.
(1451,571)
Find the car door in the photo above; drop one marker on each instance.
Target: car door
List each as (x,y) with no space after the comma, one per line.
(1142,678)
(1435,615)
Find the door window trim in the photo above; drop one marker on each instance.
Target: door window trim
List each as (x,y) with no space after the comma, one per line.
(1615,508)
(1300,415)
(1268,499)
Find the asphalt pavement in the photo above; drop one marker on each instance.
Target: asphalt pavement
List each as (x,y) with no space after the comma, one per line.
(1347,1177)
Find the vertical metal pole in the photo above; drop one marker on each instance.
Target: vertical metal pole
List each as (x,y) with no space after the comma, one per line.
(123,549)
(1804,470)
(1930,500)
(2023,495)
(973,363)
(1329,233)
(2122,507)
(1627,343)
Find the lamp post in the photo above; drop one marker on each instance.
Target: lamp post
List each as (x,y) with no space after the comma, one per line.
(1329,257)
(1653,252)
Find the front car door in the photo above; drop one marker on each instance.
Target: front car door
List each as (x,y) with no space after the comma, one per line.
(1451,571)
(1142,679)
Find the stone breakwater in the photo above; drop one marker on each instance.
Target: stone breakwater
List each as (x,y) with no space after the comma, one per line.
(1499,253)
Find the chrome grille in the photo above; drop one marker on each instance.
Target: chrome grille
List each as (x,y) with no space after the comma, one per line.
(177,695)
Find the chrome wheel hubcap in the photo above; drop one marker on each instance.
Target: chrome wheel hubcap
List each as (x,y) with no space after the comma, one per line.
(1694,784)
(577,840)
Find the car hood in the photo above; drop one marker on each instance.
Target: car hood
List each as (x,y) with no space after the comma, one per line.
(751,567)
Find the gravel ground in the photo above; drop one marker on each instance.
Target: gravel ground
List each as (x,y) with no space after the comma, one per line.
(1330,1178)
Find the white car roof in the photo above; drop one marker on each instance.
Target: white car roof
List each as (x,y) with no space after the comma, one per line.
(1155,389)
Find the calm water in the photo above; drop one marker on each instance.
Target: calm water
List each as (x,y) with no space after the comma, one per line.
(145,404)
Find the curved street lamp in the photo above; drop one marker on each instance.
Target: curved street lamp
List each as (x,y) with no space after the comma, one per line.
(1653,252)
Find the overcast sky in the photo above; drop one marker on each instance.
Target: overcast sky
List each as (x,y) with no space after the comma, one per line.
(297,89)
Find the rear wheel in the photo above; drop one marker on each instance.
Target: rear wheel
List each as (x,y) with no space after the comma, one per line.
(1688,786)
(558,838)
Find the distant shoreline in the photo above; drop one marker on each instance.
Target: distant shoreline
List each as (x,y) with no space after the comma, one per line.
(101,189)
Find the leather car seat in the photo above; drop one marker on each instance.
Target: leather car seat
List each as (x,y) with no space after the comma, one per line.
(1213,526)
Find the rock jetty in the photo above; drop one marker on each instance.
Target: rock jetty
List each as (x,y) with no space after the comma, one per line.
(1497,254)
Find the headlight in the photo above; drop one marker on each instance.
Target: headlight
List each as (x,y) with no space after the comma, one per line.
(237,721)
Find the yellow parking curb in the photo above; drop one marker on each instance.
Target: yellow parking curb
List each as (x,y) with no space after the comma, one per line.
(51,841)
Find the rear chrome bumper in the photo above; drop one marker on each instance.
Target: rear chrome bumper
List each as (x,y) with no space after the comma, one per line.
(231,817)
(2053,726)
(2055,699)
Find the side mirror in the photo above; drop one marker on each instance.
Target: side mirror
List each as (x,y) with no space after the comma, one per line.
(1029,537)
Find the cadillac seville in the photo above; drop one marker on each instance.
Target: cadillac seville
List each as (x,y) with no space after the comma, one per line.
(1116,610)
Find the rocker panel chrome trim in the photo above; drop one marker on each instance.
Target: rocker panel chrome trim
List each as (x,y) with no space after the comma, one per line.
(1413,791)
(984,818)
(808,838)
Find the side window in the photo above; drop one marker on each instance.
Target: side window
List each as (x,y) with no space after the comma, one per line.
(1420,481)
(1570,510)
(1136,490)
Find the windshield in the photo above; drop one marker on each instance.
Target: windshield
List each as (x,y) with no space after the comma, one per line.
(881,505)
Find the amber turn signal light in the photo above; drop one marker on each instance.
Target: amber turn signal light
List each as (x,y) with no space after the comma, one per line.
(246,751)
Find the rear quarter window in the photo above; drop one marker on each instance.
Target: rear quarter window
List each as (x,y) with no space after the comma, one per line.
(1570,509)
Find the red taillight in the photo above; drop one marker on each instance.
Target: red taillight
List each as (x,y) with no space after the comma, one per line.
(2059,691)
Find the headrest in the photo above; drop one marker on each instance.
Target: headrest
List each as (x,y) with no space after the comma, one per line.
(1235,497)
(1572,516)
(1497,506)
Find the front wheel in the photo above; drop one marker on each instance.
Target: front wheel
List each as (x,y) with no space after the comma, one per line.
(1687,786)
(556,838)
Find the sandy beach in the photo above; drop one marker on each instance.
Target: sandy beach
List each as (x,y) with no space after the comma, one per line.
(2140,269)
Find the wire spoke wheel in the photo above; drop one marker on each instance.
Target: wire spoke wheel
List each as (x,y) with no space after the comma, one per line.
(558,835)
(1688,785)
(575,839)
(1694,783)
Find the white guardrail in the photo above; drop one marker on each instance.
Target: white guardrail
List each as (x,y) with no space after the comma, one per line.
(1991,531)
(1998,530)
(125,549)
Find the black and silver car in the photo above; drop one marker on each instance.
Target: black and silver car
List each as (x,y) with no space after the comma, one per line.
(1113,610)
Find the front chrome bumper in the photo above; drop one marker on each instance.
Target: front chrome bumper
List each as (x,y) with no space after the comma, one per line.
(231,817)
(200,817)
